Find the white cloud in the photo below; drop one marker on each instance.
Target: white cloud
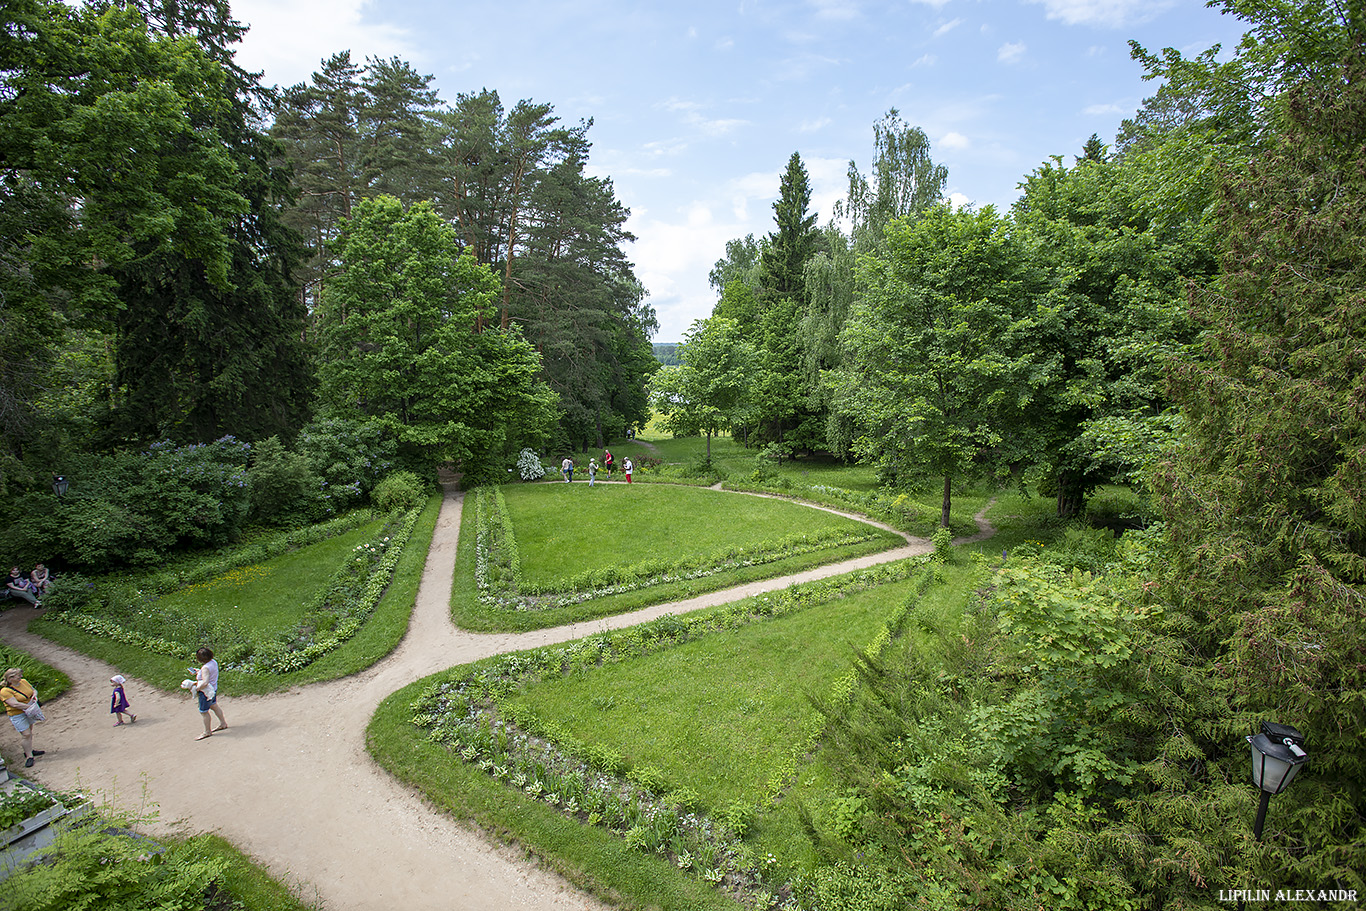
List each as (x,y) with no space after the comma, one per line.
(934,3)
(954,141)
(836,9)
(692,116)
(959,201)
(676,250)
(814,126)
(663,147)
(1010,52)
(1103,13)
(924,60)
(829,182)
(290,38)
(1100,110)
(947,27)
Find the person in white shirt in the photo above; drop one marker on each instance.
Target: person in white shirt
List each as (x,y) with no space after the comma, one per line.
(206,688)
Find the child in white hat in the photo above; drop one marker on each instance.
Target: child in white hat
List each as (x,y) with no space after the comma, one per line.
(118,704)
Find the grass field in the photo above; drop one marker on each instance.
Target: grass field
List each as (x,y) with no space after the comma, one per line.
(270,597)
(564,529)
(376,638)
(719,714)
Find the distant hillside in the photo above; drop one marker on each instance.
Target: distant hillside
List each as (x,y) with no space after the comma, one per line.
(667,353)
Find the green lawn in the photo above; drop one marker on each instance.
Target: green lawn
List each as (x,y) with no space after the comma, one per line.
(720,714)
(724,715)
(565,529)
(269,597)
(375,639)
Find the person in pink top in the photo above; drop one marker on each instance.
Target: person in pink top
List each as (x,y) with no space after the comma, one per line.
(206,688)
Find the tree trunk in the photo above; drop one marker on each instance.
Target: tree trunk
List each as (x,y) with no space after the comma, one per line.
(948,495)
(708,447)
(1071,497)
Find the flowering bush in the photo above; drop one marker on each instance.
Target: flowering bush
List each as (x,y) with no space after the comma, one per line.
(529,465)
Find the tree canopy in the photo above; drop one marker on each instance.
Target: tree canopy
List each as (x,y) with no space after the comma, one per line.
(399,343)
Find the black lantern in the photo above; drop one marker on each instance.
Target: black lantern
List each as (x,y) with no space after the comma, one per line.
(1277,754)
(59,485)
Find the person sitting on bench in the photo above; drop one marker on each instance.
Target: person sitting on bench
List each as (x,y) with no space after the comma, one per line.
(18,586)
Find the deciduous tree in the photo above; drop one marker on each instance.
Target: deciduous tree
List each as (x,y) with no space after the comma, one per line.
(937,364)
(399,344)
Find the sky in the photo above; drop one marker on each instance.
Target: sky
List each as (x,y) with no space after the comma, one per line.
(697,106)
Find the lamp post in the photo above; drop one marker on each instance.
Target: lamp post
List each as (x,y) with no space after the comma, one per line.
(59,485)
(1277,754)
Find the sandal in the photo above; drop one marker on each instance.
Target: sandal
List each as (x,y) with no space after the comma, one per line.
(204,736)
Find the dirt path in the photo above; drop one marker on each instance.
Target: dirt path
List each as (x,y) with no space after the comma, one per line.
(290,782)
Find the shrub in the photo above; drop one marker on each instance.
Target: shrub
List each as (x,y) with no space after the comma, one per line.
(97,867)
(942,539)
(69,591)
(399,490)
(135,508)
(282,486)
(529,465)
(349,456)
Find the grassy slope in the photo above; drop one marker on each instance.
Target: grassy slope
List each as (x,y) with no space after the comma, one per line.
(380,634)
(704,713)
(588,856)
(719,714)
(271,597)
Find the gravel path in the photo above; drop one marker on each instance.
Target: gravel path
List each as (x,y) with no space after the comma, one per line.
(290,782)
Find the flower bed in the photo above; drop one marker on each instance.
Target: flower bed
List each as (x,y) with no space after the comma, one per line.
(467,712)
(498,572)
(333,618)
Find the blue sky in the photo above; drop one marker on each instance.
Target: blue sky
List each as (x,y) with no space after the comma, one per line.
(696,107)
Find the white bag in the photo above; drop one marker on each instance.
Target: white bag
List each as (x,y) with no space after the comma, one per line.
(34,712)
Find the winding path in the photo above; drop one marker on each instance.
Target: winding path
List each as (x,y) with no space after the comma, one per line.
(290,782)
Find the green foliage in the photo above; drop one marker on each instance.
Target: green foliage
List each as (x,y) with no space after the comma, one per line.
(1263,500)
(399,491)
(20,804)
(942,539)
(708,392)
(1116,267)
(937,361)
(795,238)
(49,681)
(87,869)
(282,485)
(400,345)
(349,455)
(137,508)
